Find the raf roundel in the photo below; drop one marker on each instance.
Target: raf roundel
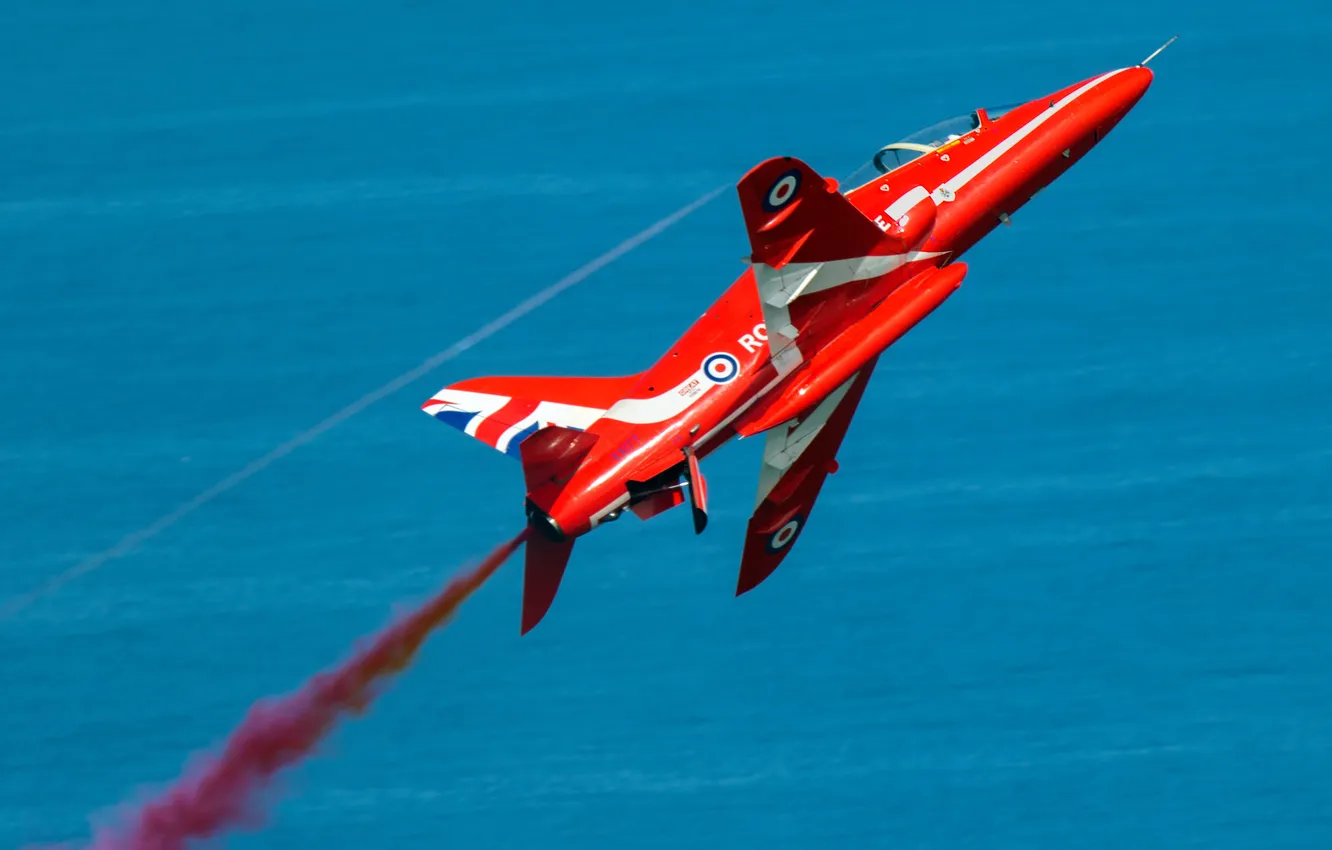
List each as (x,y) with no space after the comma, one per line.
(720,367)
(782,537)
(783,191)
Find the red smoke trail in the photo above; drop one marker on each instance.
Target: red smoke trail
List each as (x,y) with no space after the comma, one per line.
(221,791)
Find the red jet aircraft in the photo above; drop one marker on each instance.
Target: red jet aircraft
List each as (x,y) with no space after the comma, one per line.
(834,278)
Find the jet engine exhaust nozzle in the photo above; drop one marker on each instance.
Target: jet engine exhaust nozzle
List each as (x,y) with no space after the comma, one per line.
(544,523)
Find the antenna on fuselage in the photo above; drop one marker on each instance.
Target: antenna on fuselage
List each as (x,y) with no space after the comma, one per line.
(1157,51)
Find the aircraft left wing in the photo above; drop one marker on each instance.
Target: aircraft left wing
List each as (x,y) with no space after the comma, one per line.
(797,457)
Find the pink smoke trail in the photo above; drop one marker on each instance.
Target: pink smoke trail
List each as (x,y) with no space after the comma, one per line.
(221,791)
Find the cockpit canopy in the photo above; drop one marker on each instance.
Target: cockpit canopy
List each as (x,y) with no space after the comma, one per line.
(921,142)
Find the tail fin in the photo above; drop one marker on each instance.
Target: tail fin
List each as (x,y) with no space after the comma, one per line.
(502,412)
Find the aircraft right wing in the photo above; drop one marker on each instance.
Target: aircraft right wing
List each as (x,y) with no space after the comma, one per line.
(807,242)
(797,457)
(798,223)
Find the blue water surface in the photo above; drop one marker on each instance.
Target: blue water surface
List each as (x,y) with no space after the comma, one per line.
(1071,588)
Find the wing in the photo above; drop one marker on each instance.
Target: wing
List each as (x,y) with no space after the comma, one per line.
(797,457)
(808,241)
(503,411)
(797,220)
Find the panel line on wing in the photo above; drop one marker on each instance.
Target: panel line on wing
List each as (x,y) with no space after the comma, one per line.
(786,443)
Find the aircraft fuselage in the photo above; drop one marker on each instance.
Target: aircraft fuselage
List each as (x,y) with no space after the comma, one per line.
(722,371)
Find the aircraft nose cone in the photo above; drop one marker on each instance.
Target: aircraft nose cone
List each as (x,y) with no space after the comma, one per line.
(1125,89)
(1136,82)
(1100,109)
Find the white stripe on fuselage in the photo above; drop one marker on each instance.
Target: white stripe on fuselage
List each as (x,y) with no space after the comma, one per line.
(903,205)
(731,417)
(667,405)
(832,273)
(969,173)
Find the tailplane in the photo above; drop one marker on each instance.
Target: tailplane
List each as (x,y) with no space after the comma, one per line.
(549,457)
(542,422)
(542,572)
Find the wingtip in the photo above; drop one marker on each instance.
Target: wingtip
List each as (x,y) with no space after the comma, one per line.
(532,615)
(542,573)
(754,570)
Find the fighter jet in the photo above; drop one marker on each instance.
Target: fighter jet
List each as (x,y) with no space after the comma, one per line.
(835,276)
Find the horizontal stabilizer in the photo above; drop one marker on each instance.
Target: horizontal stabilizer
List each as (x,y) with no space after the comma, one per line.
(543,570)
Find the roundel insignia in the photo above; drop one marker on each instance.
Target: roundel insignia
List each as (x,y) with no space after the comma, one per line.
(782,191)
(782,537)
(720,367)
